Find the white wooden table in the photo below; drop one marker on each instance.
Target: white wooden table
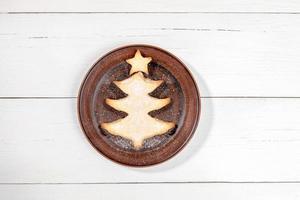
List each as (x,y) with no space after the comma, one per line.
(244,54)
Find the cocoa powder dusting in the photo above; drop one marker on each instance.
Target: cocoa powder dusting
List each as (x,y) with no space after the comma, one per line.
(107,89)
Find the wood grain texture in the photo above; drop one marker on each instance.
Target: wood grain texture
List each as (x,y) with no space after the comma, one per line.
(235,48)
(237,140)
(149,6)
(153,191)
(230,55)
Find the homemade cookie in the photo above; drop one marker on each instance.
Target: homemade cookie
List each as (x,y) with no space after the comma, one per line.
(139,63)
(138,125)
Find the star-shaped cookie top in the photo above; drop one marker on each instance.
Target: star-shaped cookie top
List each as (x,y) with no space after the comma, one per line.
(139,63)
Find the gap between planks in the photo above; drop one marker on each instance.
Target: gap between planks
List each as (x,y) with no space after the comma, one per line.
(175,12)
(153,183)
(203,97)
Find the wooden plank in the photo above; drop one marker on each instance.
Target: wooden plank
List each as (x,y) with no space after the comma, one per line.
(230,55)
(153,191)
(237,140)
(149,6)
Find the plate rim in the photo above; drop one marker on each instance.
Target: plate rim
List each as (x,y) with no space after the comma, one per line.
(195,121)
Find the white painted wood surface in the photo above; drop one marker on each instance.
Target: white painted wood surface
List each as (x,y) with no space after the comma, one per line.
(149,6)
(231,54)
(245,56)
(149,192)
(238,140)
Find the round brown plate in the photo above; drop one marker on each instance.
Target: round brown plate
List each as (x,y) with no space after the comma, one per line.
(183,110)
